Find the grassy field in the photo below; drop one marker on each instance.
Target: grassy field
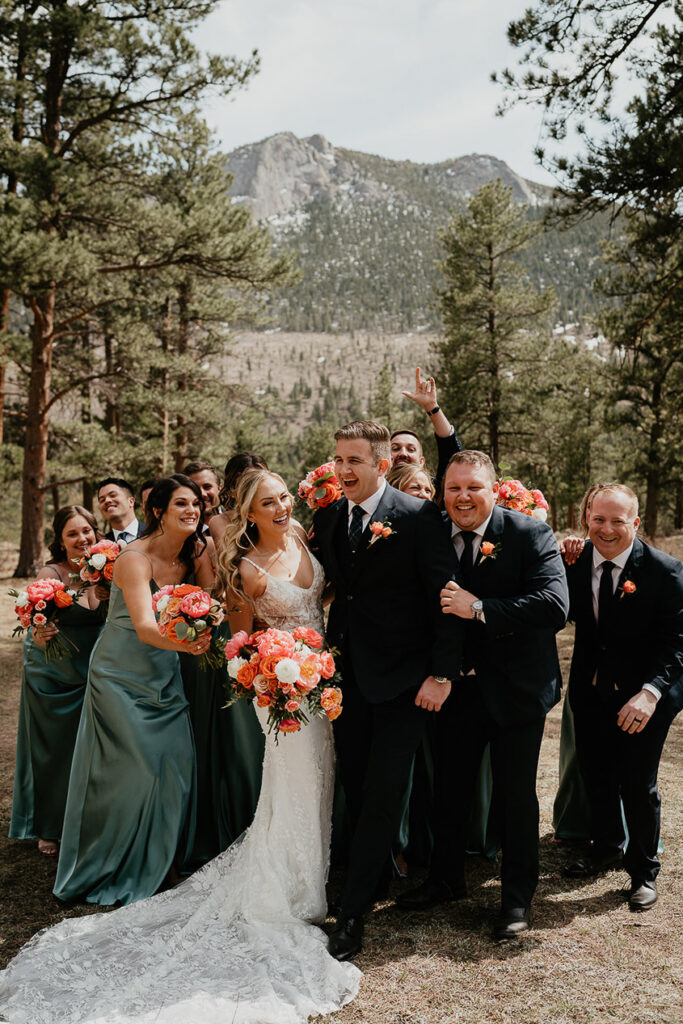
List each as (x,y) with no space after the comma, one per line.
(588,959)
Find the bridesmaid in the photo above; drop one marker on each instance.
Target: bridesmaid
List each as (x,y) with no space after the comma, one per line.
(130,806)
(52,692)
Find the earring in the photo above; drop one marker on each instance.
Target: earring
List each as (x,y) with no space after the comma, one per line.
(161,525)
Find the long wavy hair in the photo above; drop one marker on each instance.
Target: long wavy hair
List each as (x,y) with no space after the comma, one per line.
(62,517)
(158,501)
(240,538)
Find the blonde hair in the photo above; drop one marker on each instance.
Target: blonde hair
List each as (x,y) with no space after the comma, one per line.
(401,475)
(241,537)
(620,489)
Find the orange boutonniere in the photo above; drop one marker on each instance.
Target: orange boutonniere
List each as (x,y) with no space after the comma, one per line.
(489,550)
(628,587)
(378,530)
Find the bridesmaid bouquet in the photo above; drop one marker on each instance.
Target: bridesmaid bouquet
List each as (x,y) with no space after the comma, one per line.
(513,494)
(97,568)
(321,487)
(291,674)
(185,612)
(39,604)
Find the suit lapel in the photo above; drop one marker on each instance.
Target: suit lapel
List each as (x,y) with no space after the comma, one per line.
(492,533)
(337,522)
(383,511)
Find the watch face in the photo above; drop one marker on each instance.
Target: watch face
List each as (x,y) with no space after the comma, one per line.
(477,606)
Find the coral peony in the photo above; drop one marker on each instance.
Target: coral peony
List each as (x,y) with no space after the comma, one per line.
(289,725)
(196,605)
(239,640)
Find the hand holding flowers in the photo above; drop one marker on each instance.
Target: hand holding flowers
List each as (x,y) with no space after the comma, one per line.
(38,605)
(185,614)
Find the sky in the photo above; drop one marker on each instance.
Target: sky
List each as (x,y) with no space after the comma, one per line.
(404,79)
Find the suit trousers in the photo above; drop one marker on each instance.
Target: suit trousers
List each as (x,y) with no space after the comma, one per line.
(464,726)
(617,767)
(376,744)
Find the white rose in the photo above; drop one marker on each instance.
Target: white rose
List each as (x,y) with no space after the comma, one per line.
(287,671)
(540,513)
(98,560)
(22,600)
(162,602)
(234,665)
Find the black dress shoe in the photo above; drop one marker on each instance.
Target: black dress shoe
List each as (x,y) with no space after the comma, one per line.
(592,864)
(511,923)
(346,938)
(643,895)
(430,894)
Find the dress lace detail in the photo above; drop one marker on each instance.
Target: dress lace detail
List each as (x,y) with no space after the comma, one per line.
(235,943)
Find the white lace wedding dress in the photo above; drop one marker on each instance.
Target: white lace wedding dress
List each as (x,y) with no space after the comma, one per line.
(233,944)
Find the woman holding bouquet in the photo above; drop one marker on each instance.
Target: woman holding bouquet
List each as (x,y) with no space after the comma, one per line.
(234,941)
(131,799)
(52,691)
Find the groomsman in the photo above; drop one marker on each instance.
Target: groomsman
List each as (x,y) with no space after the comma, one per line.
(512,601)
(406,446)
(206,479)
(116,499)
(387,558)
(625,685)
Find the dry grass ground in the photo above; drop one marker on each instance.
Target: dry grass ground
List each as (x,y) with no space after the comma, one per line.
(588,960)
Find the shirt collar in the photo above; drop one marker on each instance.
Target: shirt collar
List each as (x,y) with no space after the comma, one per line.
(130,527)
(619,560)
(480,530)
(369,504)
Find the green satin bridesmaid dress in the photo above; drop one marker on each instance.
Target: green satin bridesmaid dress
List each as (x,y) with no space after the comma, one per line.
(229,744)
(49,713)
(130,807)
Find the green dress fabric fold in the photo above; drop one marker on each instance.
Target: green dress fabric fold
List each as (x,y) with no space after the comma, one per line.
(130,807)
(571,810)
(229,745)
(49,712)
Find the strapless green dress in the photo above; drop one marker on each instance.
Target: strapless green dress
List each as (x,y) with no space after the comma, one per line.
(130,806)
(49,713)
(229,744)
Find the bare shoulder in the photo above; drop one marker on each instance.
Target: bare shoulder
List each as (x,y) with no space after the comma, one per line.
(300,533)
(254,580)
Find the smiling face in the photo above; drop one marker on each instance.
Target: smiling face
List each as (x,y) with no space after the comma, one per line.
(207,483)
(271,508)
(420,485)
(406,449)
(356,470)
(116,504)
(77,538)
(612,523)
(469,494)
(182,512)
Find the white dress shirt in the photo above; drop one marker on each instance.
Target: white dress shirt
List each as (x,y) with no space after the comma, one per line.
(459,543)
(369,505)
(132,529)
(619,561)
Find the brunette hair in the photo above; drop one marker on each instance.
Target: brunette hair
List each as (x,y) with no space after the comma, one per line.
(62,517)
(376,434)
(159,500)
(199,467)
(119,482)
(472,457)
(401,475)
(234,468)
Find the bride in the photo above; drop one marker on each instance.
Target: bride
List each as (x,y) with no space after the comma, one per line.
(238,941)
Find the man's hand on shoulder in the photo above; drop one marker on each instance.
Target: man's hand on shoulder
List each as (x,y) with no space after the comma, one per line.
(571,548)
(432,695)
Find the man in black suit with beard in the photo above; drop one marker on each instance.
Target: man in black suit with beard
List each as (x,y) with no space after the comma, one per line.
(513,600)
(625,685)
(387,558)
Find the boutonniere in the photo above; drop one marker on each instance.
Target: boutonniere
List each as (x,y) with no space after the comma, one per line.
(489,550)
(627,587)
(378,530)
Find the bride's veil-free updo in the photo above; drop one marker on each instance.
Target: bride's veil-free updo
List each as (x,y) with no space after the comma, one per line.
(241,537)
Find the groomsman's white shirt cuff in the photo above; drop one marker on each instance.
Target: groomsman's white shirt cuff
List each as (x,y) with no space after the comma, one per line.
(369,506)
(459,544)
(620,561)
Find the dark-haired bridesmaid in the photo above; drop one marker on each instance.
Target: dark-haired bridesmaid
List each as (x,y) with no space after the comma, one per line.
(131,802)
(52,692)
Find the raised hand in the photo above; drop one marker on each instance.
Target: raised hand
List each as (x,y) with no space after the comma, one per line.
(424,393)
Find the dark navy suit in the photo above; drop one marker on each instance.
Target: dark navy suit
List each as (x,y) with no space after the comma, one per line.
(641,642)
(386,622)
(514,680)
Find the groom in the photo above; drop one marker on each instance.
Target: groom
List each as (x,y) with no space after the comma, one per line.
(387,558)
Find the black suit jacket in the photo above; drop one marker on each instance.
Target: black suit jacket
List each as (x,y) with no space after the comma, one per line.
(643,635)
(525,601)
(386,615)
(446,447)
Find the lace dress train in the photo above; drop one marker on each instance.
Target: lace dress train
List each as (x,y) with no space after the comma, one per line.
(236,943)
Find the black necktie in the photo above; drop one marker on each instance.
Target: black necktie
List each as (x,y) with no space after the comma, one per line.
(467,556)
(124,538)
(604,681)
(356,527)
(605,593)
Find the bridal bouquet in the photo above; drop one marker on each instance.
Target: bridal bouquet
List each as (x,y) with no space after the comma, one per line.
(185,612)
(321,487)
(513,494)
(97,568)
(39,604)
(291,674)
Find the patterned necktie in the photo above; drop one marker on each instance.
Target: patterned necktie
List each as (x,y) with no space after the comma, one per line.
(467,556)
(356,527)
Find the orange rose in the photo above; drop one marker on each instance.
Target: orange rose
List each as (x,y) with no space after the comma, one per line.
(246,675)
(171,629)
(629,587)
(334,712)
(289,725)
(173,606)
(108,571)
(185,588)
(309,636)
(264,700)
(330,698)
(63,599)
(112,552)
(268,665)
(487,548)
(327,665)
